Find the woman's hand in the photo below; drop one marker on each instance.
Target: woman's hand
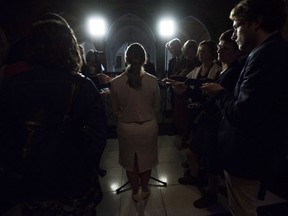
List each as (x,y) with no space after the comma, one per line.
(211,88)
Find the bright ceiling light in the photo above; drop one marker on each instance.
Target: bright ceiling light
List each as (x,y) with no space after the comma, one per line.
(97,26)
(167,27)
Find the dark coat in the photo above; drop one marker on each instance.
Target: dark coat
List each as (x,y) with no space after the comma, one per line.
(50,89)
(253,135)
(176,65)
(210,118)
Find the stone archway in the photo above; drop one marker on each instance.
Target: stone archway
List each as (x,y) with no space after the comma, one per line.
(130,28)
(124,31)
(189,28)
(193,28)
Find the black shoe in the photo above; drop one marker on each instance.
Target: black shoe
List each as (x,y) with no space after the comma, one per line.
(101,172)
(189,180)
(205,201)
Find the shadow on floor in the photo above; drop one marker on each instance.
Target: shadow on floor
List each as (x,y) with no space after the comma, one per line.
(164,129)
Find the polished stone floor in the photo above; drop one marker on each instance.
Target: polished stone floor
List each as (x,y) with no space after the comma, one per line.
(173,200)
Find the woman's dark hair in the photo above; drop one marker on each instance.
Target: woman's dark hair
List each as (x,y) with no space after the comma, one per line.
(271,12)
(53,16)
(53,43)
(189,44)
(135,58)
(227,37)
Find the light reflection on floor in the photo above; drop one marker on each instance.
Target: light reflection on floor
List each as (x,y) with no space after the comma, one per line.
(173,200)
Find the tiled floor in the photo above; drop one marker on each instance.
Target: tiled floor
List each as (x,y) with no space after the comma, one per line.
(173,200)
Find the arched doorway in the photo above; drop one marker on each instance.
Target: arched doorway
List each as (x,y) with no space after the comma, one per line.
(193,28)
(130,28)
(189,28)
(124,31)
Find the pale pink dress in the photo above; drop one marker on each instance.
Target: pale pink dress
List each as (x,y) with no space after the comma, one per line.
(137,127)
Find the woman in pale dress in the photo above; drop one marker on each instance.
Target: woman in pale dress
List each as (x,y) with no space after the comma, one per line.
(135,98)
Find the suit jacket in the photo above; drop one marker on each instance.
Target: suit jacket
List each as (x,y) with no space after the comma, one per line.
(176,65)
(135,105)
(253,136)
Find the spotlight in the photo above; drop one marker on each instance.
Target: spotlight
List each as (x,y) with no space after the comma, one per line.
(166,27)
(97,26)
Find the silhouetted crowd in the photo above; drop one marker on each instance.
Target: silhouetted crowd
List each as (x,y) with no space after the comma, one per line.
(227,101)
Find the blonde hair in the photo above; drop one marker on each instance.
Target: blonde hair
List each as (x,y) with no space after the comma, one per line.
(135,58)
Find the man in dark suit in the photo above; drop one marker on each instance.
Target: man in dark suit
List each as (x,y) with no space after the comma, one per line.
(149,66)
(253,139)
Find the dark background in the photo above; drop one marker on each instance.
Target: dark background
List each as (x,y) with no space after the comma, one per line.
(17,16)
